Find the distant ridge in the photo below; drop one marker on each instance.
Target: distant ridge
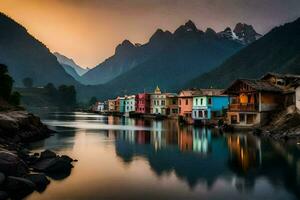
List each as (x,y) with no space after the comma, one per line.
(187,37)
(277,51)
(25,56)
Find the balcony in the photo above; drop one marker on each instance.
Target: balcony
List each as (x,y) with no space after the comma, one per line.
(243,107)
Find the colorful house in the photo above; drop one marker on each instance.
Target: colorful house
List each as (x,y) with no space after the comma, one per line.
(142,103)
(251,102)
(209,104)
(129,104)
(158,102)
(185,104)
(121,104)
(98,107)
(298,95)
(172,105)
(112,105)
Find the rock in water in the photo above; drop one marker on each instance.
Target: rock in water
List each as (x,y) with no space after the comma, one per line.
(67,158)
(18,187)
(40,181)
(11,164)
(50,165)
(48,154)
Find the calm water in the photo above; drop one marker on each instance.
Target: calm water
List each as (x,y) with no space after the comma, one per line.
(121,158)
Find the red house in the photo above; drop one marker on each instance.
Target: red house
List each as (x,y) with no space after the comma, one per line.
(142,103)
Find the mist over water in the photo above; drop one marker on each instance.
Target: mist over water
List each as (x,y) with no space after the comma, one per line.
(122,158)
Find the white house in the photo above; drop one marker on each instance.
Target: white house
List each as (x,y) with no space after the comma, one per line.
(130,104)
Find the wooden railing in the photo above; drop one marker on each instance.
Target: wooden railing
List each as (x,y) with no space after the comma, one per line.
(243,107)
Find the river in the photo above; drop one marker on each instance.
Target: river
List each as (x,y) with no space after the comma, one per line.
(123,158)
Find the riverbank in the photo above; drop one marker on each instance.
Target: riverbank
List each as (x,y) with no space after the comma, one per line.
(21,171)
(284,125)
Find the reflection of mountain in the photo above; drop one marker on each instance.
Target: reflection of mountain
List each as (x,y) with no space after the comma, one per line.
(187,165)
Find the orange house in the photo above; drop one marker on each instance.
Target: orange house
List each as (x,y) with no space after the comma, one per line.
(185,104)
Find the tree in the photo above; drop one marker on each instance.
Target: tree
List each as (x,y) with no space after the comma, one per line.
(6,83)
(67,96)
(15,98)
(92,101)
(28,82)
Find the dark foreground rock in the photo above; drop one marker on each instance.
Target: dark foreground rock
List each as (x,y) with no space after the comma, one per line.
(21,126)
(18,187)
(40,181)
(22,172)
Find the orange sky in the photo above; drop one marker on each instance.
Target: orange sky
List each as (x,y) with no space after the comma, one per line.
(89,30)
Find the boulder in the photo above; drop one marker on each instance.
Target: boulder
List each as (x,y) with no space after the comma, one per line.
(18,187)
(47,154)
(11,164)
(3,195)
(50,165)
(67,158)
(2,178)
(40,181)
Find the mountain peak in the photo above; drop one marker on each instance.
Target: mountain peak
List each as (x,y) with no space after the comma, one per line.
(160,35)
(210,33)
(126,45)
(189,26)
(246,32)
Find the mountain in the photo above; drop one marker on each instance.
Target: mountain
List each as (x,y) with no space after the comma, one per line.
(277,51)
(25,56)
(243,33)
(187,53)
(126,57)
(129,56)
(67,62)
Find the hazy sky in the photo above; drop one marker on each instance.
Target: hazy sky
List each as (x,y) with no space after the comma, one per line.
(89,30)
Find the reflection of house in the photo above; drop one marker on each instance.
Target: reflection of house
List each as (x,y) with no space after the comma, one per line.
(129,104)
(251,102)
(209,104)
(142,103)
(245,151)
(202,140)
(158,102)
(297,91)
(185,139)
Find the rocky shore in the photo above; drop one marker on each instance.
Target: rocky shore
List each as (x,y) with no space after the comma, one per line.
(21,171)
(285,125)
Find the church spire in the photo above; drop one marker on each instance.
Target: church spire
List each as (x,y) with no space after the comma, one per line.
(157,90)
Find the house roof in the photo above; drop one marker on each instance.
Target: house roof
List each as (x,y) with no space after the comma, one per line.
(293,76)
(258,85)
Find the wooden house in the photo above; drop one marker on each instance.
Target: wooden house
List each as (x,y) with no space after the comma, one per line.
(251,102)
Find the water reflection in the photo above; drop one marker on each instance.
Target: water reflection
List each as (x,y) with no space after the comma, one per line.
(213,165)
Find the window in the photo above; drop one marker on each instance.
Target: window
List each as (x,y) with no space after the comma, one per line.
(205,113)
(162,102)
(242,117)
(186,102)
(196,101)
(201,101)
(200,113)
(209,101)
(179,101)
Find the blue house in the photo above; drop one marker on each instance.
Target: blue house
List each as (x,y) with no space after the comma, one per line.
(122,104)
(209,104)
